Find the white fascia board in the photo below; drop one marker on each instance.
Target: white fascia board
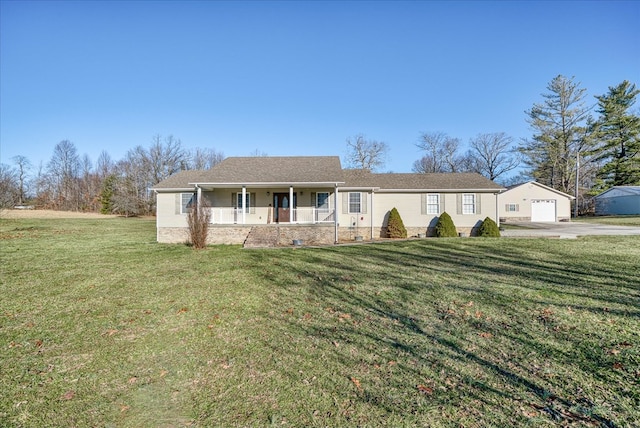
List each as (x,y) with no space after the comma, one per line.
(442,190)
(547,188)
(263,184)
(358,188)
(174,189)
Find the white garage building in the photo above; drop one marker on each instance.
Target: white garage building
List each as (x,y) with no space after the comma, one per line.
(534,202)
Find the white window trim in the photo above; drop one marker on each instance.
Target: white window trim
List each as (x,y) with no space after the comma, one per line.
(247,208)
(184,206)
(359,203)
(431,205)
(465,204)
(327,201)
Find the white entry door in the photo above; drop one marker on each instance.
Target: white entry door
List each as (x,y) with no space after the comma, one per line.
(543,210)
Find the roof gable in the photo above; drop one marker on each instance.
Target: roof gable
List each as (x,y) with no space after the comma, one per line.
(542,186)
(616,191)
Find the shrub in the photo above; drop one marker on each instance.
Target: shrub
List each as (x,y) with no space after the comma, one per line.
(489,229)
(198,220)
(445,227)
(395,226)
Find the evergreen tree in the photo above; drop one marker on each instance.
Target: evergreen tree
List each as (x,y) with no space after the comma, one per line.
(617,133)
(445,227)
(560,133)
(489,229)
(395,225)
(106,195)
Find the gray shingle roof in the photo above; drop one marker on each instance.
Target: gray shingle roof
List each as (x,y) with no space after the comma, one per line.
(414,181)
(270,169)
(319,169)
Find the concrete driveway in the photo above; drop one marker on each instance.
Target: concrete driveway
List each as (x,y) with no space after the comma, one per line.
(567,230)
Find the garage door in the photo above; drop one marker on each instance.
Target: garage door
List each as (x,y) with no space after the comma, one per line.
(543,210)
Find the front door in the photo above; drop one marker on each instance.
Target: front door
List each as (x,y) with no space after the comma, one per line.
(282,207)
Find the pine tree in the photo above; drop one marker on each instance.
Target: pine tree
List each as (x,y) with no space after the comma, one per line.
(617,132)
(445,227)
(560,126)
(106,195)
(395,225)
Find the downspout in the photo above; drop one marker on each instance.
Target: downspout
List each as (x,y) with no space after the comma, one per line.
(335,214)
(497,208)
(371,211)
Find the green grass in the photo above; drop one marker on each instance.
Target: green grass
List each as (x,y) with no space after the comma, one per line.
(623,220)
(101,326)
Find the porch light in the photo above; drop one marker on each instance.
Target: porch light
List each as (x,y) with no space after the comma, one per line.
(268,193)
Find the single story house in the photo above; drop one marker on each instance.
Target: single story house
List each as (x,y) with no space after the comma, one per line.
(533,202)
(270,201)
(619,200)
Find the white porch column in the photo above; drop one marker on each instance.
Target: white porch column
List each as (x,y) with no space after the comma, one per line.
(335,213)
(198,197)
(244,205)
(291,204)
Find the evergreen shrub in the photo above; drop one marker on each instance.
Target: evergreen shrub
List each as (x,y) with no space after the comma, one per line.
(489,229)
(445,227)
(395,225)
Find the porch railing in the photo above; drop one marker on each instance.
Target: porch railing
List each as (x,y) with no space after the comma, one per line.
(305,215)
(312,215)
(224,215)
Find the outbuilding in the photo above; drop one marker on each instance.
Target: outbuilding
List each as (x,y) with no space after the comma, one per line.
(534,202)
(619,200)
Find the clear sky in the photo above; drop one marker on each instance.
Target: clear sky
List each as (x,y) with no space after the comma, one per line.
(294,78)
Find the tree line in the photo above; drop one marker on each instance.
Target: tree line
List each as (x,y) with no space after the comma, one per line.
(69,181)
(570,150)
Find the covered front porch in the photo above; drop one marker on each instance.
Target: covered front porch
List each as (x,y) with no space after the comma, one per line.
(260,205)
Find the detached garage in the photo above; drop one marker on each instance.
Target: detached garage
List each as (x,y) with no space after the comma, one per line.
(619,200)
(534,202)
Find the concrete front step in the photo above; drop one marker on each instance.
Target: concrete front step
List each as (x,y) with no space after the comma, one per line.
(262,237)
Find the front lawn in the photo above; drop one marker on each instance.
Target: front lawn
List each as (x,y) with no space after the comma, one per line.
(102,326)
(620,220)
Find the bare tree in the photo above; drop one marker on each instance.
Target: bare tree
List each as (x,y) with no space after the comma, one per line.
(23,166)
(198,220)
(8,186)
(104,165)
(257,153)
(63,169)
(166,158)
(441,154)
(204,158)
(370,155)
(493,154)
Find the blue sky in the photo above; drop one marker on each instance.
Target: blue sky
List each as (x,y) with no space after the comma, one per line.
(294,78)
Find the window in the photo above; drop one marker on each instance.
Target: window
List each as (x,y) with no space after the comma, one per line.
(433,204)
(247,202)
(187,201)
(468,203)
(322,201)
(512,208)
(354,203)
